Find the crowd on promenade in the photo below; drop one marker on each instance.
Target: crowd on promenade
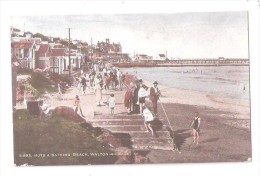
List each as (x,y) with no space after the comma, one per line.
(101,76)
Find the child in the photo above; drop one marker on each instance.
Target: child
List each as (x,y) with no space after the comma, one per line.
(148,120)
(77,106)
(112,103)
(196,127)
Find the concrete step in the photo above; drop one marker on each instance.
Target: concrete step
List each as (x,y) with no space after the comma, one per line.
(140,134)
(118,128)
(117,119)
(151,141)
(131,130)
(117,122)
(120,122)
(113,128)
(156,147)
(146,141)
(97,116)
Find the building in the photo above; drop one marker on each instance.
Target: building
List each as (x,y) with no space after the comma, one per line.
(15,32)
(76,59)
(42,56)
(58,62)
(143,57)
(162,57)
(28,34)
(107,47)
(24,53)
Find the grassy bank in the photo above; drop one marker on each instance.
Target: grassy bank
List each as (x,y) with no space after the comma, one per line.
(56,141)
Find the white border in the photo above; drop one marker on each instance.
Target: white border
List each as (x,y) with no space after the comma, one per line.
(23,8)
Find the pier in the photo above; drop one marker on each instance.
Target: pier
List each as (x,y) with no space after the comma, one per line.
(184,63)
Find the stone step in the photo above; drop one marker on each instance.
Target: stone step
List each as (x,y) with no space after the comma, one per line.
(119,123)
(149,147)
(146,142)
(151,141)
(97,116)
(118,128)
(117,119)
(140,134)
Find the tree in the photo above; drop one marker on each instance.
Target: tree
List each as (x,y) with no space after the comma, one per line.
(43,37)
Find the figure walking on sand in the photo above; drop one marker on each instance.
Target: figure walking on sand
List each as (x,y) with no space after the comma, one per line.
(77,106)
(195,125)
(154,96)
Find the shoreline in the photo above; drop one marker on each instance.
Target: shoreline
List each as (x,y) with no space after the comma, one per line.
(228,108)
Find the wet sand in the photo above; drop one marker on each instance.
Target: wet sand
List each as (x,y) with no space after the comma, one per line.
(225,127)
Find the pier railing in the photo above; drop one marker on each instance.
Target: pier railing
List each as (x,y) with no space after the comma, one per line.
(185,62)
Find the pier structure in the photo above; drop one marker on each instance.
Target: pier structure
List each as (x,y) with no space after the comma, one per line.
(185,62)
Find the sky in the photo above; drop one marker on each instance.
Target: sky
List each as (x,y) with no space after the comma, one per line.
(181,35)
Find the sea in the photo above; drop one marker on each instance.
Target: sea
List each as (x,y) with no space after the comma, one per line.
(227,81)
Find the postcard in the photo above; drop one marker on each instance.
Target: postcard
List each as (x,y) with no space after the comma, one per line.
(131,88)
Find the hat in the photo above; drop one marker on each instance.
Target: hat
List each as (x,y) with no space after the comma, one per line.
(140,80)
(155,82)
(131,84)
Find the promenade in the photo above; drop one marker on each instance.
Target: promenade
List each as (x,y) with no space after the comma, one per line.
(129,128)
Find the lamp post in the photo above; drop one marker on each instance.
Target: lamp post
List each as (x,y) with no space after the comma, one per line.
(69,56)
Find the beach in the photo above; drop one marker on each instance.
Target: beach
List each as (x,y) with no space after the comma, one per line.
(225,126)
(225,123)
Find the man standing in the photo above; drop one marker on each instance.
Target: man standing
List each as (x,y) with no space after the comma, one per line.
(154,96)
(128,99)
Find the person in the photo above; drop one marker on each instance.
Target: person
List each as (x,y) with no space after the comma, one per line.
(136,107)
(128,99)
(45,109)
(154,96)
(98,93)
(59,91)
(112,103)
(79,85)
(77,106)
(142,93)
(195,125)
(84,84)
(148,119)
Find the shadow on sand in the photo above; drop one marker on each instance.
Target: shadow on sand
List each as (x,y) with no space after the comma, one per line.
(179,137)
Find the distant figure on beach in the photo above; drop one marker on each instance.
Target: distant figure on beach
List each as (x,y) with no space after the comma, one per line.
(98,93)
(112,103)
(77,106)
(148,120)
(244,88)
(154,96)
(195,125)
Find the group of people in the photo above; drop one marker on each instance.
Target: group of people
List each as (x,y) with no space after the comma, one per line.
(135,98)
(100,78)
